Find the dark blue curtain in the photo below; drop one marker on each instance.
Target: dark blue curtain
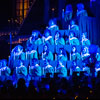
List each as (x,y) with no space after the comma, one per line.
(91,26)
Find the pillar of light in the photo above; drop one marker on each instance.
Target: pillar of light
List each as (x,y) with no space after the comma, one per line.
(21,6)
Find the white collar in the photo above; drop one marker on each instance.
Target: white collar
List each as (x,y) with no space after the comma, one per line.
(61,66)
(48,66)
(49,37)
(79,12)
(52,26)
(72,38)
(36,65)
(73,26)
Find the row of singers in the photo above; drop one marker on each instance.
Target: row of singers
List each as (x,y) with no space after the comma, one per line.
(36,70)
(57,40)
(47,54)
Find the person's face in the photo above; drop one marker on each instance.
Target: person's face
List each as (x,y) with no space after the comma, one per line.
(20,63)
(71,35)
(3,63)
(74,63)
(34,34)
(45,48)
(18,49)
(90,60)
(97,65)
(34,62)
(61,51)
(83,36)
(84,64)
(72,23)
(46,63)
(51,23)
(85,50)
(57,35)
(60,63)
(73,49)
(47,34)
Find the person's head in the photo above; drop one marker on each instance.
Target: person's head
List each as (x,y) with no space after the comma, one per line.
(85,49)
(30,47)
(74,63)
(19,62)
(45,48)
(51,22)
(4,62)
(62,51)
(84,64)
(57,35)
(35,34)
(72,34)
(46,62)
(80,6)
(34,61)
(84,35)
(97,64)
(60,62)
(74,49)
(47,33)
(18,48)
(91,59)
(72,22)
(69,8)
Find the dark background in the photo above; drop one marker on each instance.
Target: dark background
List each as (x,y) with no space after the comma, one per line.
(6,12)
